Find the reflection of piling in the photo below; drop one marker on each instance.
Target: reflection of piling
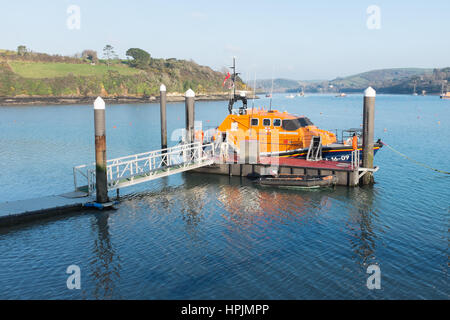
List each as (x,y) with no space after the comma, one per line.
(368,133)
(190,106)
(100,151)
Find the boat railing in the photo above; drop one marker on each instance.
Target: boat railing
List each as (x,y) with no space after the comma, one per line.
(342,135)
(239,111)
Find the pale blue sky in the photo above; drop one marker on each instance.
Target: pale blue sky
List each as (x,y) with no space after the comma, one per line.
(292,39)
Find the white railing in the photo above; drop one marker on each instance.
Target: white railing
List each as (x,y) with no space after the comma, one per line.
(129,170)
(355,158)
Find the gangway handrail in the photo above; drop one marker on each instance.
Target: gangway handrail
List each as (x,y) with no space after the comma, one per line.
(141,167)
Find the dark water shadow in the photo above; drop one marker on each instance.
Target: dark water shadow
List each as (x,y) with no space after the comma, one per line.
(363,225)
(105,264)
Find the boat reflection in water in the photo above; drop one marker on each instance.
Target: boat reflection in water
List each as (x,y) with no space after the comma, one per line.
(252,211)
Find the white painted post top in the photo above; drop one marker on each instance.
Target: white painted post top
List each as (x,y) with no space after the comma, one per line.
(190,93)
(99,104)
(162,88)
(370,92)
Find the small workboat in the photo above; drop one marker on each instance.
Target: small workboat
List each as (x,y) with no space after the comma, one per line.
(296,181)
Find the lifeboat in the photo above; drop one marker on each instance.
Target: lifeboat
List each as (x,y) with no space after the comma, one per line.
(280,134)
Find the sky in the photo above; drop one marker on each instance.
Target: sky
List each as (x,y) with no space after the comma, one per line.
(302,40)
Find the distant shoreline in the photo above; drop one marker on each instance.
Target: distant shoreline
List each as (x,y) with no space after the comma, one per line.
(27,101)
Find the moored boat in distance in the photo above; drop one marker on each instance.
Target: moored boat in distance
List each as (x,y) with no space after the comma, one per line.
(445,95)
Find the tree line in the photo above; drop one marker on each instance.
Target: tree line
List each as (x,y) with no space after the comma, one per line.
(136,57)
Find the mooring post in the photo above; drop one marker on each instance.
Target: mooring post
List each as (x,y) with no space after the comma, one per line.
(100,151)
(368,134)
(162,104)
(190,113)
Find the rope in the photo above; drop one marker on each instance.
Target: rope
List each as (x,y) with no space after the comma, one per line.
(412,160)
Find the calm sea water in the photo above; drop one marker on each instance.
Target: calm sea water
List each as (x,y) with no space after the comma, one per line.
(196,236)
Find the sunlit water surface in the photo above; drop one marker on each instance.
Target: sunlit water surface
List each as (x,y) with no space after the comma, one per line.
(197,236)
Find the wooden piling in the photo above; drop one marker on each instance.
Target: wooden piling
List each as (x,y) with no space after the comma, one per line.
(100,151)
(190,115)
(162,103)
(368,133)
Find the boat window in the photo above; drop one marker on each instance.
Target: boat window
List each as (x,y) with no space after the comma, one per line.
(277,122)
(266,122)
(294,124)
(254,122)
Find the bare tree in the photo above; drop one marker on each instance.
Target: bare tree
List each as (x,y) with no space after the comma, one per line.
(109,53)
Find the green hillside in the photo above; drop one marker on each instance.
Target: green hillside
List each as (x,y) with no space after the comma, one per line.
(397,80)
(40,70)
(376,77)
(25,73)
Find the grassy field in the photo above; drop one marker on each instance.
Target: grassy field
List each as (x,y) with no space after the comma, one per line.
(39,70)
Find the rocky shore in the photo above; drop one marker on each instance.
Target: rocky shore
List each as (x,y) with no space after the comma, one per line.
(39,100)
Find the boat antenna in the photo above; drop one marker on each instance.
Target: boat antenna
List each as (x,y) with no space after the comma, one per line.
(235,98)
(271,94)
(254,92)
(234,75)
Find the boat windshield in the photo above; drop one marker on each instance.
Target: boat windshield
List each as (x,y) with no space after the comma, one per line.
(294,124)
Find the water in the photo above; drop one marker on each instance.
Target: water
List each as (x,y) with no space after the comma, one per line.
(196,236)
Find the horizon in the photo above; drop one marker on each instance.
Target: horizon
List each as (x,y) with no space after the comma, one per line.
(348,30)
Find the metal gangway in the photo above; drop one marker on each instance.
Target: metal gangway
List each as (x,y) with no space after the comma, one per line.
(130,170)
